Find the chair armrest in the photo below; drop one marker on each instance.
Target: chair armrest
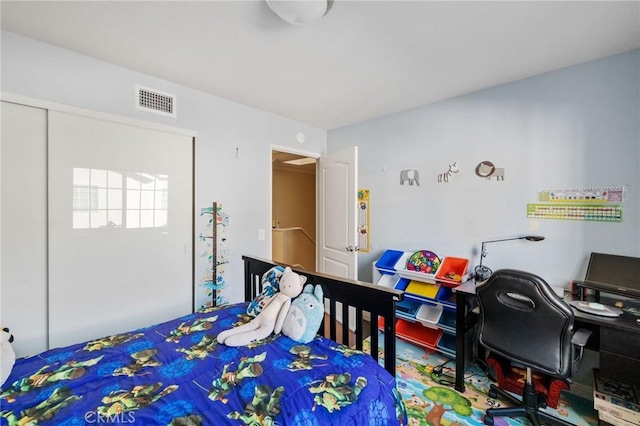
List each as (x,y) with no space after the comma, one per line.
(580,337)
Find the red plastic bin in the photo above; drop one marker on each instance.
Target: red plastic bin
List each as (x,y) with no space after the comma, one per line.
(452,270)
(418,334)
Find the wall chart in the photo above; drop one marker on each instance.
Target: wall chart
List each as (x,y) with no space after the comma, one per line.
(600,204)
(209,289)
(363,220)
(588,212)
(604,194)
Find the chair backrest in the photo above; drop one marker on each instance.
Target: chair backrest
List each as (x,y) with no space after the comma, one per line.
(523,319)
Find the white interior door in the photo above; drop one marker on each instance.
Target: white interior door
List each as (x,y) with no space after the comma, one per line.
(120,227)
(337,214)
(24,227)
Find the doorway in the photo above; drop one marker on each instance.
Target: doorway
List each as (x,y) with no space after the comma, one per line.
(293,208)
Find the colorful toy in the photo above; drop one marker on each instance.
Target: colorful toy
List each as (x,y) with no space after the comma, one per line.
(423,261)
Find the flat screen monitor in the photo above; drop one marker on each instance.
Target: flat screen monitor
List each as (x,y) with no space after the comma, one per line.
(614,274)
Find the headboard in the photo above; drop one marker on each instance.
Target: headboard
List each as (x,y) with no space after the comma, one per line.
(362,297)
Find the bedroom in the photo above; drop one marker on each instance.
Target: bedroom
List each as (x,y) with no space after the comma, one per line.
(572,127)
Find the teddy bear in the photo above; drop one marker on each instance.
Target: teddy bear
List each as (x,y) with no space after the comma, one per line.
(7,355)
(271,317)
(305,315)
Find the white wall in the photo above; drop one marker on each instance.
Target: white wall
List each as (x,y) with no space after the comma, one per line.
(573,128)
(242,185)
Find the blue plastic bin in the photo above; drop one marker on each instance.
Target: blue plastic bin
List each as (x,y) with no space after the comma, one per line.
(447,344)
(447,320)
(388,260)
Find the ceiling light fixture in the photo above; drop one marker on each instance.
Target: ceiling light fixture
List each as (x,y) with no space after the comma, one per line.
(301,161)
(299,12)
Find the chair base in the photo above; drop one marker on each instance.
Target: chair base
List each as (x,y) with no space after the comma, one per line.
(529,407)
(510,378)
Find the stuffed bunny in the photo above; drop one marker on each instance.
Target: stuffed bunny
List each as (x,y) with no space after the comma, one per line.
(272,316)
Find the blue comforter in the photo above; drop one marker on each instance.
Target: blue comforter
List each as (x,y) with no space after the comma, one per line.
(175,373)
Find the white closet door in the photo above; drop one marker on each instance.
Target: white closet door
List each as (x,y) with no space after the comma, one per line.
(120,227)
(23,267)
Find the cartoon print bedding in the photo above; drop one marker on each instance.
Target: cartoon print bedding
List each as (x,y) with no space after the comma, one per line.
(176,373)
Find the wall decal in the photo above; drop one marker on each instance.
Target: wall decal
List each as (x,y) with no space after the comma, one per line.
(363,220)
(487,170)
(444,177)
(216,251)
(411,176)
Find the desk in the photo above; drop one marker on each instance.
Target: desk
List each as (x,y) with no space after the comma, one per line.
(617,339)
(465,323)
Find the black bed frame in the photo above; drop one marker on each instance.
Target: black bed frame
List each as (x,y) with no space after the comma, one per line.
(364,297)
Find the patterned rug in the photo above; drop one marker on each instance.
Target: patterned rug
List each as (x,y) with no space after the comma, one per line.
(432,401)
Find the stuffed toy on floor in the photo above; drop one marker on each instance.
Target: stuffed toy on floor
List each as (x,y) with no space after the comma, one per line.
(7,355)
(271,317)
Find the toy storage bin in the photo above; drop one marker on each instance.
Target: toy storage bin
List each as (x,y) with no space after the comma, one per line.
(452,270)
(424,292)
(387,262)
(407,309)
(402,284)
(388,280)
(447,320)
(416,333)
(446,297)
(381,323)
(429,315)
(401,269)
(447,344)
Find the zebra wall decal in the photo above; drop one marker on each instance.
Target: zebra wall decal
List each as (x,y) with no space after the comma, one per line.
(444,177)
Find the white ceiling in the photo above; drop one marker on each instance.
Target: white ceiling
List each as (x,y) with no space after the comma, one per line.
(364,59)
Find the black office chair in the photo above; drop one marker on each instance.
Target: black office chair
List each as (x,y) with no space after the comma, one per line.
(522,319)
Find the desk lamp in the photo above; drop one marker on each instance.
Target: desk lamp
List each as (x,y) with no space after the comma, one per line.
(482,272)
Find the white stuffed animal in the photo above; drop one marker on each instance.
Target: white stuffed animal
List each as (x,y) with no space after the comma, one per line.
(7,355)
(272,316)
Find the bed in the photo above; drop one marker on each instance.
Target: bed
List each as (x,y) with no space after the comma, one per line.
(175,373)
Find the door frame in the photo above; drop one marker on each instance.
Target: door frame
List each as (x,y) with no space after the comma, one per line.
(288,150)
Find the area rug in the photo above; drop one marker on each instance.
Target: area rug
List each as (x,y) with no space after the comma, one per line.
(431,400)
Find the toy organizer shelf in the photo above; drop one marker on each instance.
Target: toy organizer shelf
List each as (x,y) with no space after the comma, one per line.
(427,315)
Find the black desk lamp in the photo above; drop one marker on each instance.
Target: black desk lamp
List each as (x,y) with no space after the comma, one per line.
(482,272)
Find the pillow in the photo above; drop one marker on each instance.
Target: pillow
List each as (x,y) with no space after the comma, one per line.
(270,286)
(7,356)
(305,315)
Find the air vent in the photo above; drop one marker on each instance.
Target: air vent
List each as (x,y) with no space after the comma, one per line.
(155,101)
